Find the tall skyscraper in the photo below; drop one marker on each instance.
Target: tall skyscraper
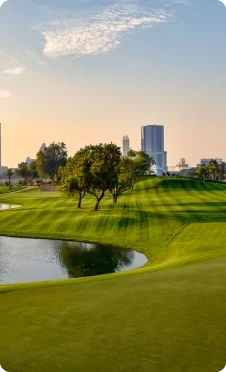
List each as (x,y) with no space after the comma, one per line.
(125,145)
(152,142)
(0,144)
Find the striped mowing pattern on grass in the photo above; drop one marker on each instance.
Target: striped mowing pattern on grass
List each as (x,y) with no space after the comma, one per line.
(144,219)
(171,320)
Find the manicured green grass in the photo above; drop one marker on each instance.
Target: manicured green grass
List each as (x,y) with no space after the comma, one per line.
(6,189)
(170,320)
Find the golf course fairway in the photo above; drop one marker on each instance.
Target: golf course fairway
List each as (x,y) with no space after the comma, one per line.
(169,315)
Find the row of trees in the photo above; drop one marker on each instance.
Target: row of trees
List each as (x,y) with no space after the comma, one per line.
(214,171)
(99,169)
(94,169)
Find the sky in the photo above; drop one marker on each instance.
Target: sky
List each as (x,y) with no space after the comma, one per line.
(91,71)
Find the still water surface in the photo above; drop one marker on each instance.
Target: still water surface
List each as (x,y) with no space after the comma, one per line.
(8,206)
(28,260)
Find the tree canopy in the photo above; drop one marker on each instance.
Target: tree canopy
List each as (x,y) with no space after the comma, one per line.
(96,169)
(214,171)
(140,165)
(50,159)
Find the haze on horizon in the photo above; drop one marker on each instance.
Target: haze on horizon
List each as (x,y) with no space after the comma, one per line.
(96,70)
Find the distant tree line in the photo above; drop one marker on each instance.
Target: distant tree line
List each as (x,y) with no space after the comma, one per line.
(214,171)
(94,170)
(45,166)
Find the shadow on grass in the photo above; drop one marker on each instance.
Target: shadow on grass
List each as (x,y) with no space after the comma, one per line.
(190,184)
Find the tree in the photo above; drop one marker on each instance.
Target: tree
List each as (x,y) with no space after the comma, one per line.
(202,172)
(221,171)
(212,170)
(105,161)
(142,162)
(124,179)
(23,171)
(50,159)
(33,173)
(93,170)
(71,181)
(9,174)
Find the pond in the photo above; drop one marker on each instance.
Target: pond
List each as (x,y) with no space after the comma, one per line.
(8,206)
(29,260)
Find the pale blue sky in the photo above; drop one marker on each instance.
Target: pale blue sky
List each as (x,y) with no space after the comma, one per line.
(92,71)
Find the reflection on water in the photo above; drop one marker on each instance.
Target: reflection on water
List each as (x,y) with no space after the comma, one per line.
(87,260)
(8,206)
(26,260)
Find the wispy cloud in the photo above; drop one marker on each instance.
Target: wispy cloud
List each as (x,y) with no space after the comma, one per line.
(4,94)
(99,32)
(181,2)
(14,71)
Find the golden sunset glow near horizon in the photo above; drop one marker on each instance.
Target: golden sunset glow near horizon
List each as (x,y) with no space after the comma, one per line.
(93,71)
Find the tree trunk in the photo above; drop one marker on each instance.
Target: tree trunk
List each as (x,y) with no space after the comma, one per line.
(98,201)
(81,196)
(79,201)
(115,198)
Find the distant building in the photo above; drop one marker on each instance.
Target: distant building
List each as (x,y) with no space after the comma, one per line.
(181,165)
(152,142)
(3,170)
(206,162)
(171,168)
(125,145)
(43,147)
(29,160)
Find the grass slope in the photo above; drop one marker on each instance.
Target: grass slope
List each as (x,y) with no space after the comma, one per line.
(5,189)
(172,320)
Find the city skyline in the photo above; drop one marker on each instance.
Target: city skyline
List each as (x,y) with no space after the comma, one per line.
(126,137)
(88,72)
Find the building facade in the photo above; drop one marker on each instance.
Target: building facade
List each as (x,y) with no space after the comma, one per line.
(29,160)
(182,165)
(152,142)
(125,145)
(43,147)
(206,162)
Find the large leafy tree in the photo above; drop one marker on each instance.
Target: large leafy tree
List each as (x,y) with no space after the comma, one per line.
(93,170)
(50,159)
(104,166)
(142,162)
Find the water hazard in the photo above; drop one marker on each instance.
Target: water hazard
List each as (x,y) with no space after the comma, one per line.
(8,206)
(28,260)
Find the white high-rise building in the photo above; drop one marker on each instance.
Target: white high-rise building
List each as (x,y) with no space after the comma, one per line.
(152,142)
(125,145)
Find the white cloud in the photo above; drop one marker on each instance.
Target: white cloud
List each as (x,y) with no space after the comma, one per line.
(14,71)
(96,33)
(181,2)
(4,94)
(2,2)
